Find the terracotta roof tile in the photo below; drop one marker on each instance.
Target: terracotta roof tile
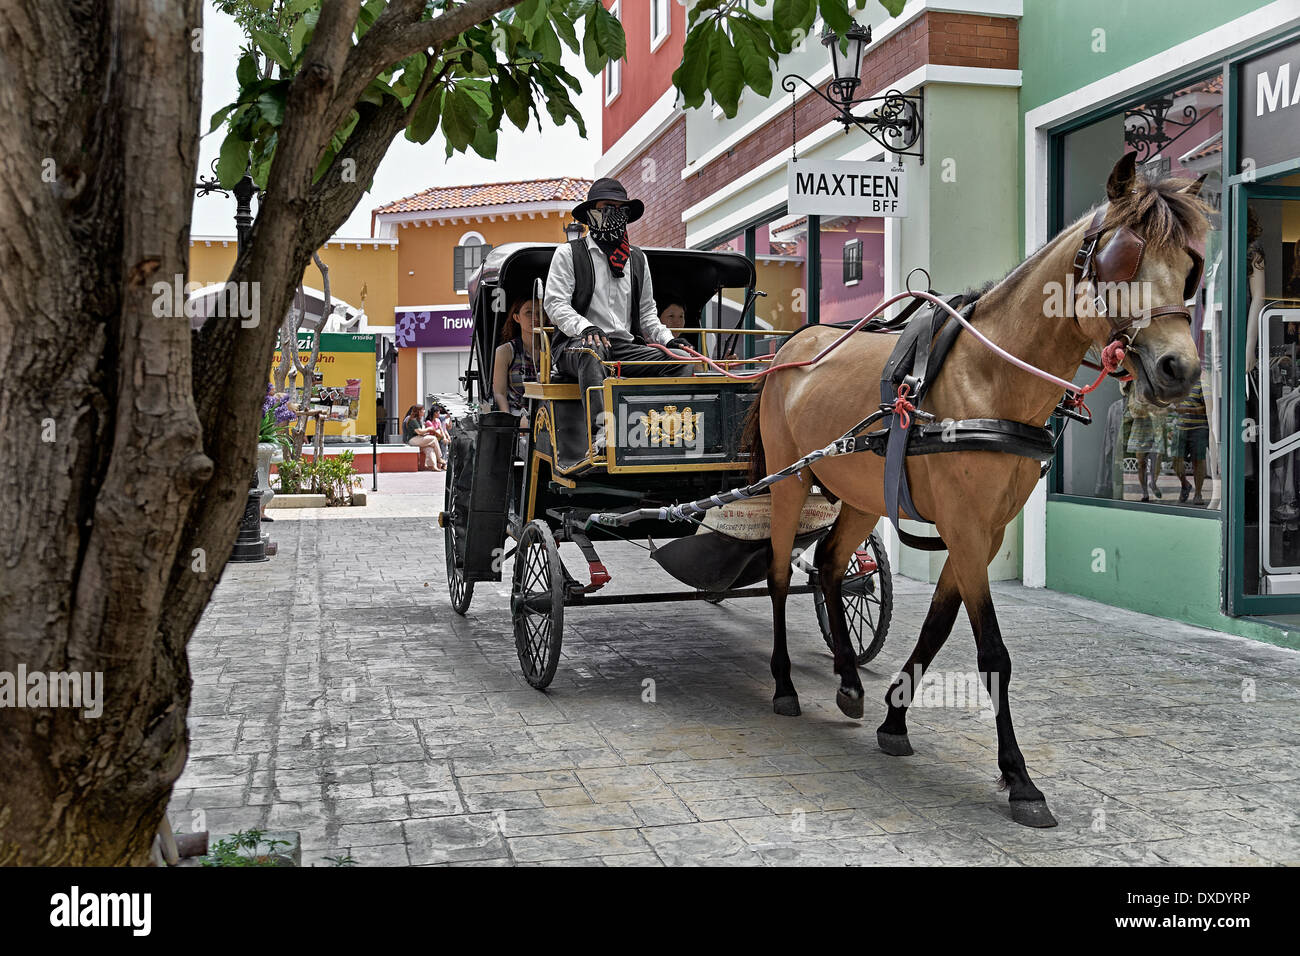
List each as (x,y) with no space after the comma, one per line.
(490,194)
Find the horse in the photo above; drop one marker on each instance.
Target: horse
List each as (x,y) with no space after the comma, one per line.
(971,496)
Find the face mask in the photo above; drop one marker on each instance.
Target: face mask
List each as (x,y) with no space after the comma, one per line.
(608,223)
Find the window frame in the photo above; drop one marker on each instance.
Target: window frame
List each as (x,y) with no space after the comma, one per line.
(613,81)
(657,40)
(856,245)
(470,240)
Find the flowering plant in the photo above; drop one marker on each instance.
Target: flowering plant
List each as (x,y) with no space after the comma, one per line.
(276,416)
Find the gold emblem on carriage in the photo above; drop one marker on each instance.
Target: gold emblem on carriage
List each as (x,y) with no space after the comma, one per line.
(671,427)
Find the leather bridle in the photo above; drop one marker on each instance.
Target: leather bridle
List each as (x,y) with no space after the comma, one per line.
(1118,263)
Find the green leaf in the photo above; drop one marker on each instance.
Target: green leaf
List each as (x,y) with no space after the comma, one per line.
(610,32)
(564,27)
(692,76)
(232,161)
(298,38)
(220,115)
(547,44)
(247,72)
(791,15)
(836,15)
(895,7)
(591,46)
(425,122)
(274,47)
(726,75)
(752,47)
(515,100)
(271,104)
(485,141)
(295,7)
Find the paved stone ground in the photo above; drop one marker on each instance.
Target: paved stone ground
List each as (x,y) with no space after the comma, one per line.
(336,693)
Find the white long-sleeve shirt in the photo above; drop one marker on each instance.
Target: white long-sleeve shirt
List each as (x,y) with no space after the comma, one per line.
(610,309)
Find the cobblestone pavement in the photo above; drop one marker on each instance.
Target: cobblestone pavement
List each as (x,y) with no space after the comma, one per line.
(337,694)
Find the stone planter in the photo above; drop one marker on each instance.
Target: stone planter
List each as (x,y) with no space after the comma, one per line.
(267,453)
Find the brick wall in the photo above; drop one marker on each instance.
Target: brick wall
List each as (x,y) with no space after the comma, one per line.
(654,177)
(951,39)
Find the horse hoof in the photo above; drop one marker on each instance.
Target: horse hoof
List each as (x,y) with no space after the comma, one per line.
(896,745)
(1032,813)
(786,706)
(849,705)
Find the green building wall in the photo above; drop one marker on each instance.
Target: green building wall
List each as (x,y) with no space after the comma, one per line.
(1163,564)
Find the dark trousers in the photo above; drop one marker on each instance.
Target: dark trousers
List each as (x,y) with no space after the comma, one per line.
(581,364)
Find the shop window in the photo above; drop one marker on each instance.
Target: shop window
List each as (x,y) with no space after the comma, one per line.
(466,258)
(660,23)
(1169,457)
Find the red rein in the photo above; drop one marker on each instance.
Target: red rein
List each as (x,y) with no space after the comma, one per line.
(1112,357)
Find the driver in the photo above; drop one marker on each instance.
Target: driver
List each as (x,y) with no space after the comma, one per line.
(603,303)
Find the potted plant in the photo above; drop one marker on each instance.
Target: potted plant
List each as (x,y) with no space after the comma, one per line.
(272,439)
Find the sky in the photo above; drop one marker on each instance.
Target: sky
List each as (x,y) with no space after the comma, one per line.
(408,167)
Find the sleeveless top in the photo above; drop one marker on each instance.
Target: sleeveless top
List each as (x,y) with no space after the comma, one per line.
(522,369)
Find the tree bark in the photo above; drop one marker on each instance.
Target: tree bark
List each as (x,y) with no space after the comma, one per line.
(97,418)
(134,438)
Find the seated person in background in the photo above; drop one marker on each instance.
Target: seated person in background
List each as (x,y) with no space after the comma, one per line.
(672,315)
(516,360)
(414,433)
(591,301)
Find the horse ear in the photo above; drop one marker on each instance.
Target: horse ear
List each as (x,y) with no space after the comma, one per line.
(1195,188)
(1122,176)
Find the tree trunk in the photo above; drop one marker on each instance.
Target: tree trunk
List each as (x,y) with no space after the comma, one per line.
(97,418)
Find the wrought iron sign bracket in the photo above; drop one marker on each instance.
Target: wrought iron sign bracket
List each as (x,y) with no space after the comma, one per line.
(895,122)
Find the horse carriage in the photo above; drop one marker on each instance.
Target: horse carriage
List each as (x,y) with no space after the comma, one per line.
(543,495)
(968,384)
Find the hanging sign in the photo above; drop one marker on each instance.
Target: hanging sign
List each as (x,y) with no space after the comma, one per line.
(844,188)
(1269,107)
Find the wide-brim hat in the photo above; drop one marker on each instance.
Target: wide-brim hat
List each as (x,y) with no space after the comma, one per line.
(608,189)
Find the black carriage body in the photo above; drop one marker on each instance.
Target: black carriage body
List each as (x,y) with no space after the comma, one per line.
(671,432)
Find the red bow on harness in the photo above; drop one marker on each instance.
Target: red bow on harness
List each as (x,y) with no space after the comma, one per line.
(903,407)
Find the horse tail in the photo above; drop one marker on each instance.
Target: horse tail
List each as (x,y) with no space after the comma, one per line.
(751,439)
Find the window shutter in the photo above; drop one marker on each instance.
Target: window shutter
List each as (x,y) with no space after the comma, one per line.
(458,268)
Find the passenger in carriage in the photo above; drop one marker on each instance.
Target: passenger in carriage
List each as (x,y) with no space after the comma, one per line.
(603,303)
(516,361)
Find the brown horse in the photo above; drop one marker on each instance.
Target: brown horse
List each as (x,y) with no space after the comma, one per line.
(971,496)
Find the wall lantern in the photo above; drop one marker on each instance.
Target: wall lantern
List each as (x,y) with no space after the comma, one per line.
(892,120)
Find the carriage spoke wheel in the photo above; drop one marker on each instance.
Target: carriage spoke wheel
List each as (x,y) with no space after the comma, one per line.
(868,593)
(537,603)
(462,591)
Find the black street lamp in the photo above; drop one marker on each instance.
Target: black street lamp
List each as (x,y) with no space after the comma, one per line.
(573,230)
(892,120)
(249,545)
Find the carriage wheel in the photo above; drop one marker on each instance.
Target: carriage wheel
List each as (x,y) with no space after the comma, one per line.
(868,593)
(537,603)
(462,591)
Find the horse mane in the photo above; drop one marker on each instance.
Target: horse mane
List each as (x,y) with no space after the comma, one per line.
(1165,212)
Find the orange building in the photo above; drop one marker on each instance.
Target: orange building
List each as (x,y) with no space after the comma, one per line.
(443,235)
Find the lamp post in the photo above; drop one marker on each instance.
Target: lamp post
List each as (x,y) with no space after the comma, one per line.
(250,546)
(892,120)
(572,230)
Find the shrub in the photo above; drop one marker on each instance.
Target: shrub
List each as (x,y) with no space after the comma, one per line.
(335,477)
